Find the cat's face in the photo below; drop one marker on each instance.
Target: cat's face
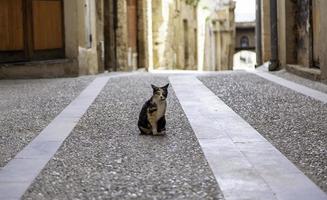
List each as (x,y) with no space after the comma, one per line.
(160,92)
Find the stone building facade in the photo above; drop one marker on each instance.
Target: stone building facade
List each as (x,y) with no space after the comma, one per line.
(54,38)
(299,43)
(220,39)
(245,36)
(174,35)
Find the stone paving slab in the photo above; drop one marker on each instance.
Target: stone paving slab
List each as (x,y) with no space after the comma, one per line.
(246,167)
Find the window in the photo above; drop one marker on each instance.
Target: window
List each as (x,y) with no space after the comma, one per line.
(244,42)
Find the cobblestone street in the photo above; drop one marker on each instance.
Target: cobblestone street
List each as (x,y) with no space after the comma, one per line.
(90,148)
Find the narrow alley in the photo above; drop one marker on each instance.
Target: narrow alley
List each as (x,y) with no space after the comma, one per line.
(230,97)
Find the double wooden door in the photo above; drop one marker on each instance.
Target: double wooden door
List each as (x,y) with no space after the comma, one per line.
(31,30)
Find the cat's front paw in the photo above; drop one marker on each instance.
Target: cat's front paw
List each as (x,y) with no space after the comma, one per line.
(163,132)
(155,132)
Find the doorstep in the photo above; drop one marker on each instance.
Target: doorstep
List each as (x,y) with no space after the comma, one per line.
(309,73)
(39,69)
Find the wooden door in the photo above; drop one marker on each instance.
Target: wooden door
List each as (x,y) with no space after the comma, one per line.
(12,41)
(47,27)
(31,30)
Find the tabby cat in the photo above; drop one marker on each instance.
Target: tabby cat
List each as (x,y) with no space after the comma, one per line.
(152,116)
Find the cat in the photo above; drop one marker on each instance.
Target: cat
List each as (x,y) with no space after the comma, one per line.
(152,116)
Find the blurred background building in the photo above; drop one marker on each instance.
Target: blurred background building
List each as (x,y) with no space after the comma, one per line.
(219,44)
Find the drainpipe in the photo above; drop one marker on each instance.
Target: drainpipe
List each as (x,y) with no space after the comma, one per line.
(258,33)
(274,62)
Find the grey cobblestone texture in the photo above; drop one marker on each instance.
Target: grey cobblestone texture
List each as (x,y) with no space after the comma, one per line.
(28,106)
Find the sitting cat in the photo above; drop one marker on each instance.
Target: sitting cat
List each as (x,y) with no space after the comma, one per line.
(152,116)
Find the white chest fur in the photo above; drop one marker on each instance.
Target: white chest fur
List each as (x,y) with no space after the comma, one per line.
(161,109)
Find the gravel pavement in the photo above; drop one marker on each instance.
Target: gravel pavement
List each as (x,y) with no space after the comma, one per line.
(294,123)
(28,106)
(106,158)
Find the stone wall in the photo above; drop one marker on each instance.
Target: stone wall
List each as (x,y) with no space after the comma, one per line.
(141,34)
(320,13)
(220,39)
(301,47)
(174,24)
(90,47)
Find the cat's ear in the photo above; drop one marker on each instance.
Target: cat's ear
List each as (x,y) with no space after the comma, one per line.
(154,87)
(165,87)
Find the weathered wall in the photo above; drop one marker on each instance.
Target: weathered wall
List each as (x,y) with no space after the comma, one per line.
(141,33)
(170,50)
(265,24)
(122,37)
(323,38)
(220,39)
(302,22)
(71,28)
(188,13)
(294,33)
(89,61)
(300,42)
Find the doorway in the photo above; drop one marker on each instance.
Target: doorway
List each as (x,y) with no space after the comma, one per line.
(31,30)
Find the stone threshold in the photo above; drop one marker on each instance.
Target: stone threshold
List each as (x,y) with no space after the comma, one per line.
(39,69)
(37,62)
(244,163)
(305,72)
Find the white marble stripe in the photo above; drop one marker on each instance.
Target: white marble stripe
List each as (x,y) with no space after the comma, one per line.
(293,86)
(245,164)
(19,173)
